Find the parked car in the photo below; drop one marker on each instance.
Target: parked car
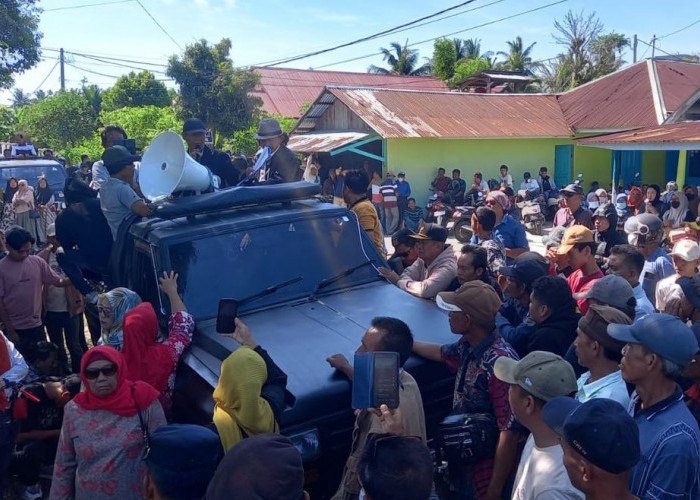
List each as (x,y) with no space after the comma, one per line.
(31,169)
(242,242)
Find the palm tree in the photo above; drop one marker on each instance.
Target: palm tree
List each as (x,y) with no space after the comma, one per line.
(470,49)
(19,98)
(517,58)
(402,61)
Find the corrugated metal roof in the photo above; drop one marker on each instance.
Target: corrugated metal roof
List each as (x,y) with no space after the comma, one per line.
(284,90)
(683,135)
(625,99)
(402,113)
(323,141)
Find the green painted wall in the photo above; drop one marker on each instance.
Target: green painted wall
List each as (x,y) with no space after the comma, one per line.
(595,164)
(421,157)
(654,168)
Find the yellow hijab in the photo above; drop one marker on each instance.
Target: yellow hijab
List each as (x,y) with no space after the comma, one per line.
(239,405)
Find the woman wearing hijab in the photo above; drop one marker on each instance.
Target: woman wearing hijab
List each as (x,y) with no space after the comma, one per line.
(603,197)
(112,306)
(653,203)
(23,203)
(593,201)
(251,393)
(147,360)
(691,192)
(678,212)
(46,205)
(8,211)
(623,212)
(102,444)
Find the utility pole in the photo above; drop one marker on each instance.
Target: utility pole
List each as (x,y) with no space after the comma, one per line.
(634,49)
(63,75)
(653,47)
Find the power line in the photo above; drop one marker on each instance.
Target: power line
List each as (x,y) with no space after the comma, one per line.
(106,55)
(366,38)
(677,57)
(448,34)
(87,5)
(679,30)
(111,63)
(46,77)
(158,24)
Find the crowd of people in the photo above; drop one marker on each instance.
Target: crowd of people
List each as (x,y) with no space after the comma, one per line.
(576,372)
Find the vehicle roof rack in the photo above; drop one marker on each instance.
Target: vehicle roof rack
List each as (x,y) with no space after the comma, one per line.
(234,197)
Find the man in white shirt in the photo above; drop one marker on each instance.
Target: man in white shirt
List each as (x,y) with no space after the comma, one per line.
(601,354)
(627,261)
(506,178)
(529,185)
(686,257)
(537,378)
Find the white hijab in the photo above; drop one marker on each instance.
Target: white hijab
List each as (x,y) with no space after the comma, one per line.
(677,215)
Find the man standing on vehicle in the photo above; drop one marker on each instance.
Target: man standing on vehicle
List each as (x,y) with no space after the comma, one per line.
(194,132)
(472,312)
(434,269)
(573,213)
(100,174)
(355,195)
(391,335)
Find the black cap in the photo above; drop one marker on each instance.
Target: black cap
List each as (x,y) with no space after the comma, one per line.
(402,237)
(116,158)
(431,231)
(572,189)
(600,430)
(526,271)
(193,126)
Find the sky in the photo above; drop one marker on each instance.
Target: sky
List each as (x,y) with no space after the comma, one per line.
(148,32)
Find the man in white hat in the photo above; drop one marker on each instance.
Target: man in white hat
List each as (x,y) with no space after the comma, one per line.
(283,165)
(686,257)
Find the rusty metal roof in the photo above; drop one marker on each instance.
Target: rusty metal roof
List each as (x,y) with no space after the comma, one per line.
(323,141)
(404,113)
(641,95)
(284,90)
(682,135)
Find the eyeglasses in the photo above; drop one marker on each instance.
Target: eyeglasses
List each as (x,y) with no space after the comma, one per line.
(93,373)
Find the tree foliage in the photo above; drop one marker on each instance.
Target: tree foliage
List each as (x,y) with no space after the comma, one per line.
(244,142)
(8,123)
(134,90)
(19,98)
(444,58)
(518,56)
(402,61)
(19,38)
(468,67)
(590,53)
(58,121)
(212,89)
(143,123)
(93,94)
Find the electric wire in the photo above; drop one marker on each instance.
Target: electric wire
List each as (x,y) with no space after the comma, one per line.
(158,24)
(45,78)
(678,30)
(86,5)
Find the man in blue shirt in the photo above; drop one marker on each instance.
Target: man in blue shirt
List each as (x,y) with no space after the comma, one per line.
(645,231)
(403,190)
(507,229)
(658,347)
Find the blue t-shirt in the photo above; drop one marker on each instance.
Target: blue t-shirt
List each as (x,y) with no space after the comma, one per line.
(116,198)
(511,233)
(338,186)
(656,268)
(403,188)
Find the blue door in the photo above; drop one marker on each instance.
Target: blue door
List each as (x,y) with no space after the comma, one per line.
(563,165)
(631,167)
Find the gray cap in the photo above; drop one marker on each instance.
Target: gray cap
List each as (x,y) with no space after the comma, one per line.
(610,290)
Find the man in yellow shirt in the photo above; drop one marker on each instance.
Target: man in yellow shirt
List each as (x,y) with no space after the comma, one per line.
(355,196)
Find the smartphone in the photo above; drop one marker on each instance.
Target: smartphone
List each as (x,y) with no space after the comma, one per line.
(376,380)
(129,144)
(226,317)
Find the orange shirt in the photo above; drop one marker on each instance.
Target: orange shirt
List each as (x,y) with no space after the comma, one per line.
(369,221)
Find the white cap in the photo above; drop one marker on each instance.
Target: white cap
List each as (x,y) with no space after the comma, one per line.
(686,249)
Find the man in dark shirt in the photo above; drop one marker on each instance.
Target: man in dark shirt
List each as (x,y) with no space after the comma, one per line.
(283,165)
(553,309)
(217,161)
(85,237)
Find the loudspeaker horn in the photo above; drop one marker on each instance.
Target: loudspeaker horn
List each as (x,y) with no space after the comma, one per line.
(167,168)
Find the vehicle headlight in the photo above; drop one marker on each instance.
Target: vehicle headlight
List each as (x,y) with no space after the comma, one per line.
(308,443)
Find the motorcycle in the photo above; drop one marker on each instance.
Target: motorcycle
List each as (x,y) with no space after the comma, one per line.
(461,222)
(530,211)
(437,210)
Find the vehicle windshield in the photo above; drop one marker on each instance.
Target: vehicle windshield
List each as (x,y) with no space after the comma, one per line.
(55,175)
(240,264)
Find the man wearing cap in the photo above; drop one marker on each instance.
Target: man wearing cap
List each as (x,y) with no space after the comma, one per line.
(282,165)
(262,467)
(685,256)
(117,196)
(537,378)
(405,250)
(627,262)
(600,443)
(658,347)
(507,229)
(403,191)
(472,312)
(611,290)
(181,460)
(434,269)
(646,232)
(100,174)
(355,195)
(193,132)
(606,233)
(601,354)
(390,203)
(572,213)
(579,246)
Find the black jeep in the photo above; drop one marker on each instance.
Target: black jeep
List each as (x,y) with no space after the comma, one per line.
(243,241)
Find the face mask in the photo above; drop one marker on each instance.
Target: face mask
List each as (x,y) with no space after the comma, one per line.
(593,205)
(400,179)
(675,204)
(690,196)
(621,206)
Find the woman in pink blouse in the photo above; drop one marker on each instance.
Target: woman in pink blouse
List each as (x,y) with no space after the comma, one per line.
(151,361)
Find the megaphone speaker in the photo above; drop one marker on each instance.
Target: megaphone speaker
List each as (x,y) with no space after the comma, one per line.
(167,168)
